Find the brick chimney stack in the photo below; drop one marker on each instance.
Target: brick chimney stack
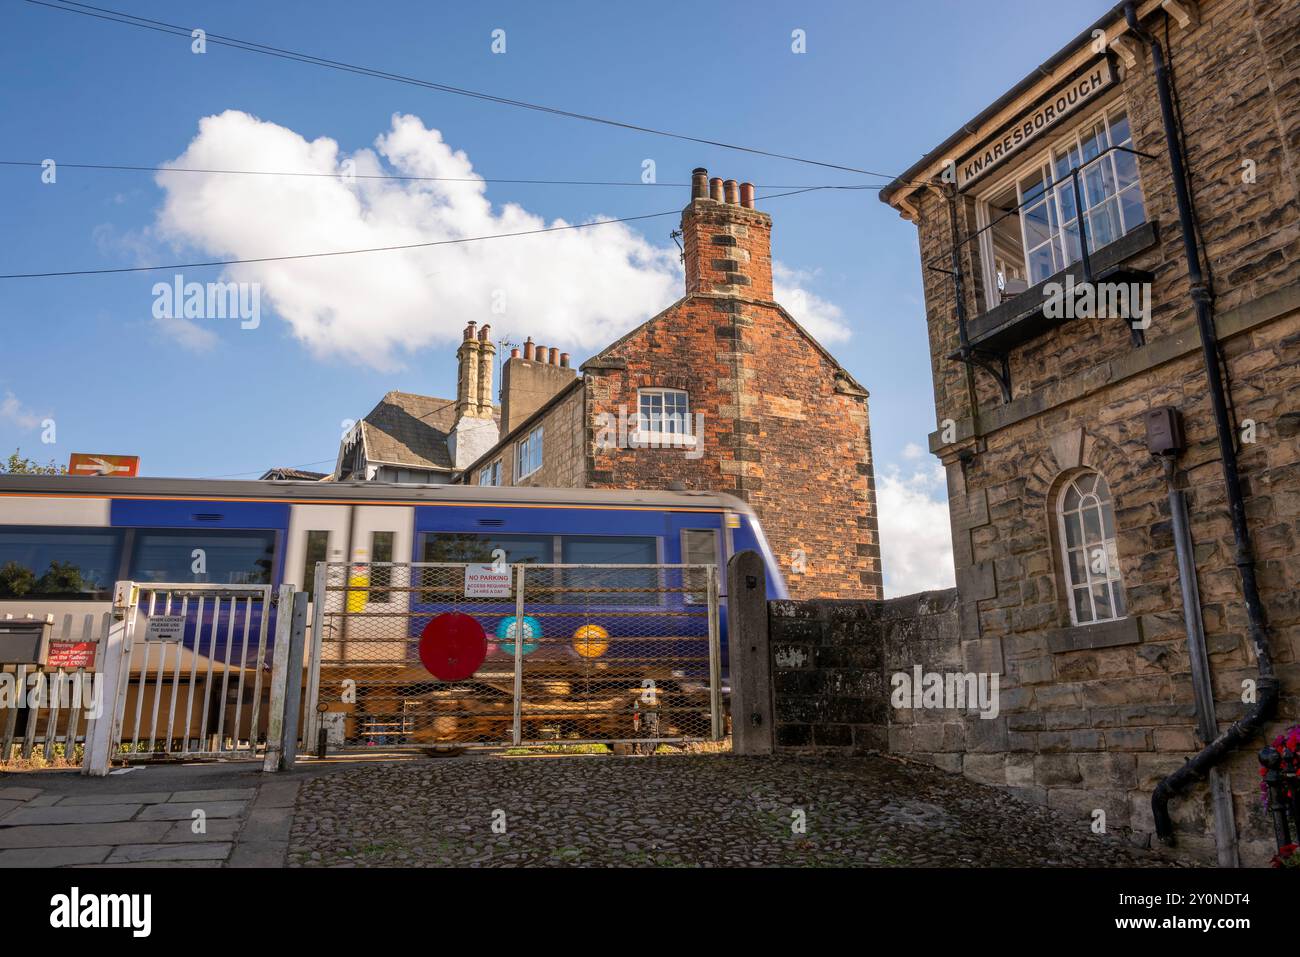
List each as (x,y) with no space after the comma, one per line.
(727,242)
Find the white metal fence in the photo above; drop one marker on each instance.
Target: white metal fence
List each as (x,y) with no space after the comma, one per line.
(423,655)
(58,701)
(185,668)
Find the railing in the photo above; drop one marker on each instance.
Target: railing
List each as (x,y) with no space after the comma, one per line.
(454,654)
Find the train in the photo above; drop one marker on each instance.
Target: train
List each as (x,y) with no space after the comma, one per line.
(65,543)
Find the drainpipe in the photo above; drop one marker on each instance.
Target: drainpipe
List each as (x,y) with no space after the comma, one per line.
(1225,829)
(1240,732)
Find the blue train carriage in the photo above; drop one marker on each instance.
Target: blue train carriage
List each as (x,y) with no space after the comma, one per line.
(65,541)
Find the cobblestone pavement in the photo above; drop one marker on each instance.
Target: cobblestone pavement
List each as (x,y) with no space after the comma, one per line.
(679,810)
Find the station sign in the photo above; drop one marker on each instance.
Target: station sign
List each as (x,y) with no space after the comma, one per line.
(121,466)
(1040,117)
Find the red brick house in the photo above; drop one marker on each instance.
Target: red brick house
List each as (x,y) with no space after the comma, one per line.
(722,390)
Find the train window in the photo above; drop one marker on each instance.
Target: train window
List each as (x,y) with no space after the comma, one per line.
(317,551)
(439,547)
(214,556)
(58,562)
(381,550)
(635,586)
(699,547)
(609,550)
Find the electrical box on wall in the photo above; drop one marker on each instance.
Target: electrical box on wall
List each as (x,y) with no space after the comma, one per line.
(1165,430)
(25,641)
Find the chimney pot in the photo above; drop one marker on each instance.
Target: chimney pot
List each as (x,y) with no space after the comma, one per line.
(564,360)
(731,188)
(555,356)
(715,189)
(469,330)
(514,353)
(699,183)
(484,333)
(529,348)
(747,195)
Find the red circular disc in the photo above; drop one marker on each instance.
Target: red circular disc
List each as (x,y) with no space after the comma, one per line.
(452,646)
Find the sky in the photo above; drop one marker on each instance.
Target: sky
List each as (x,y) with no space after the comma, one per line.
(102,359)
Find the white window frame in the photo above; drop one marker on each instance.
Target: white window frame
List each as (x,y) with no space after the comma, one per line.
(1044,158)
(678,438)
(525,446)
(492,473)
(1103,549)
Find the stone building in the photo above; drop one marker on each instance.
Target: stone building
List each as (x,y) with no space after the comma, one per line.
(722,390)
(413,438)
(1053,375)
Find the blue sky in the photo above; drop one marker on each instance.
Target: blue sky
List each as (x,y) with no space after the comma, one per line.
(880,84)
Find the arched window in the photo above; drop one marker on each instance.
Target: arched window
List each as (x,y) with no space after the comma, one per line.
(1087,530)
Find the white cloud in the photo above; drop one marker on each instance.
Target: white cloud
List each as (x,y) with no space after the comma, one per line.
(915,538)
(187,333)
(822,319)
(578,289)
(913,452)
(11,410)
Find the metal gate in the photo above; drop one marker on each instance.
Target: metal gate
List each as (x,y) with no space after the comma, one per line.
(574,653)
(186,669)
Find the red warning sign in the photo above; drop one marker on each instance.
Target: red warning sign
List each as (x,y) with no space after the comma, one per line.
(452,646)
(71,654)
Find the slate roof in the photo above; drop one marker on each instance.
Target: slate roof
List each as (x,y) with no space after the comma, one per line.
(281,474)
(411,430)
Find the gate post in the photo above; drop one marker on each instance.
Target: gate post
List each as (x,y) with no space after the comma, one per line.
(293,682)
(113,660)
(311,718)
(275,729)
(750,659)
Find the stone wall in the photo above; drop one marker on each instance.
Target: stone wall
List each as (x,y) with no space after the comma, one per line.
(1097,736)
(563,454)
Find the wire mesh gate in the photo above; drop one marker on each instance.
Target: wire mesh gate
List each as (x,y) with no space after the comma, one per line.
(186,668)
(573,653)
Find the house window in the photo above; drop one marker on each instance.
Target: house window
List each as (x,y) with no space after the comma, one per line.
(1032,226)
(529,454)
(663,412)
(491,474)
(1091,562)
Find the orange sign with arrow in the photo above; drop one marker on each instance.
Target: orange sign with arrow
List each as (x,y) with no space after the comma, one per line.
(122,466)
